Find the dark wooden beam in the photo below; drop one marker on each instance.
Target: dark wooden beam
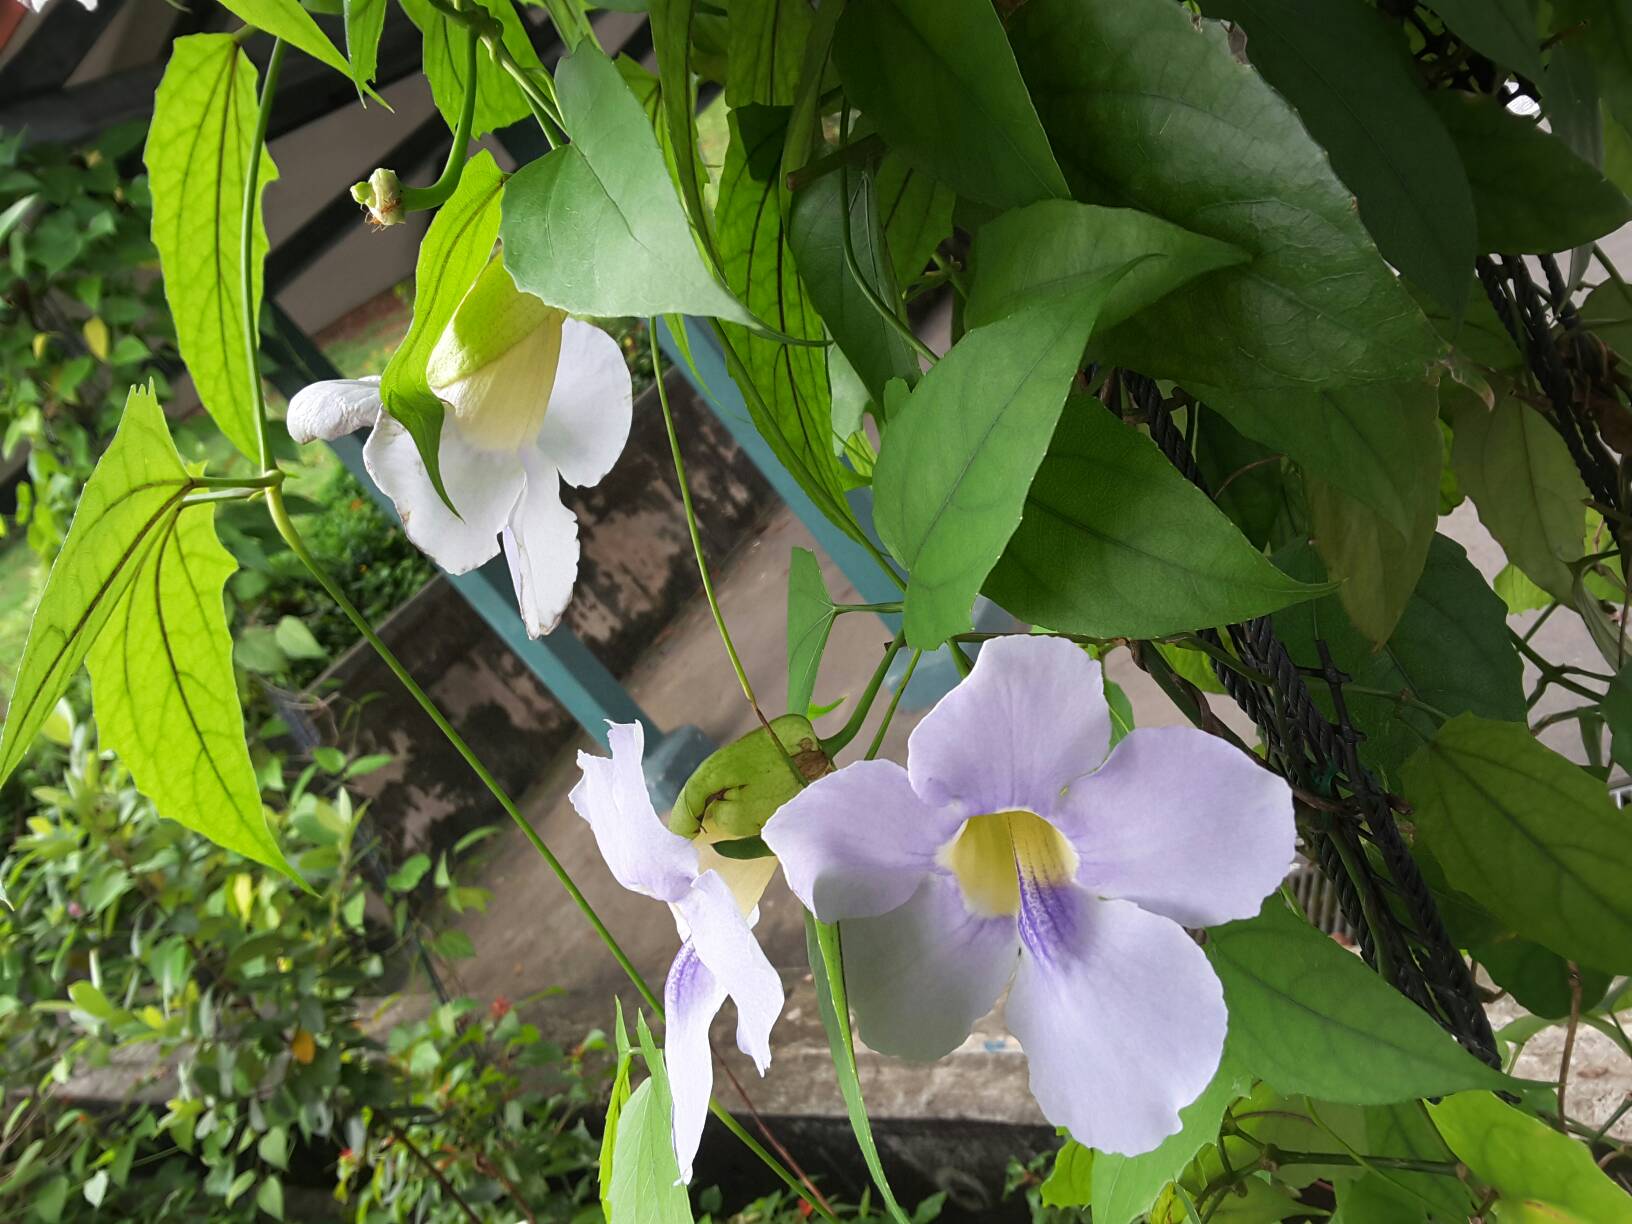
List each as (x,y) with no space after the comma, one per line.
(64,36)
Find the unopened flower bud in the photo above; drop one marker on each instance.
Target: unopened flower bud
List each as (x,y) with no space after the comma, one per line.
(381,195)
(735,791)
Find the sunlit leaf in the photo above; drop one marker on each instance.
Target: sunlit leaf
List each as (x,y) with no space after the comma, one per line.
(286,19)
(499,100)
(365,22)
(767,48)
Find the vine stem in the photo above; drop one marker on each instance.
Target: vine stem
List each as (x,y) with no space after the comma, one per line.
(401,1136)
(286,528)
(417,199)
(246,255)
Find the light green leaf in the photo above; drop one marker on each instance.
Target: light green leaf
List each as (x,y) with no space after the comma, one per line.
(296,641)
(1055,248)
(1114,542)
(197,158)
(952,474)
(1527,490)
(456,248)
(785,386)
(1346,68)
(876,351)
(616,1100)
(365,22)
(1505,30)
(273,1147)
(1450,650)
(1121,710)
(407,877)
(1525,1159)
(1518,592)
(646,1186)
(165,696)
(823,945)
(1149,109)
(1532,194)
(672,24)
(810,619)
(126,507)
(595,227)
(1527,834)
(767,48)
(915,210)
(1371,441)
(1070,1183)
(499,100)
(1126,1186)
(1310,1018)
(96,1188)
(286,19)
(939,81)
(269,1198)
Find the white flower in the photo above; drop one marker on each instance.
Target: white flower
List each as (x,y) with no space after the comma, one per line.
(38,6)
(718,956)
(532,398)
(1012,848)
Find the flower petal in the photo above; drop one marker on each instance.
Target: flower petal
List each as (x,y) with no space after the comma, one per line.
(857,842)
(541,545)
(1183,824)
(920,976)
(1028,721)
(1119,1013)
(484,486)
(691,998)
(591,405)
(333,408)
(719,932)
(611,796)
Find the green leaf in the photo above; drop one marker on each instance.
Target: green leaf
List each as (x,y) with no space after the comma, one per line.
(767,49)
(1126,1186)
(1150,109)
(672,23)
(1449,650)
(165,696)
(785,386)
(915,210)
(296,641)
(269,1198)
(616,1100)
(1527,834)
(939,81)
(1529,495)
(1404,1130)
(1121,710)
(1505,30)
(1532,194)
(365,22)
(1346,68)
(1309,1017)
(823,946)
(810,619)
(126,507)
(1371,441)
(1055,248)
(646,1186)
(1603,28)
(456,248)
(1538,980)
(1070,1183)
(96,1188)
(407,877)
(956,461)
(499,100)
(453,945)
(273,1147)
(197,158)
(286,19)
(876,351)
(1524,1159)
(1617,711)
(595,227)
(1518,592)
(1115,542)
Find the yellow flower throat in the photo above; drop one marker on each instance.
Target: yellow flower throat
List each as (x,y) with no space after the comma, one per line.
(991,853)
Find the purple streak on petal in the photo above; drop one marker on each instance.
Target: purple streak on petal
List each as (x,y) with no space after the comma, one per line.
(691,998)
(1183,824)
(1120,1016)
(857,842)
(719,932)
(611,796)
(1029,720)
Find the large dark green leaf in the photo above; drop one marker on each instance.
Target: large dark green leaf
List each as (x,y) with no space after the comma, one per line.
(1538,980)
(1051,249)
(876,350)
(1529,835)
(1505,30)
(1528,1162)
(939,81)
(1114,542)
(499,100)
(1345,67)
(595,227)
(786,386)
(956,461)
(1368,441)
(1519,473)
(1532,195)
(1603,28)
(1450,650)
(915,211)
(1309,1017)
(1148,109)
(767,47)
